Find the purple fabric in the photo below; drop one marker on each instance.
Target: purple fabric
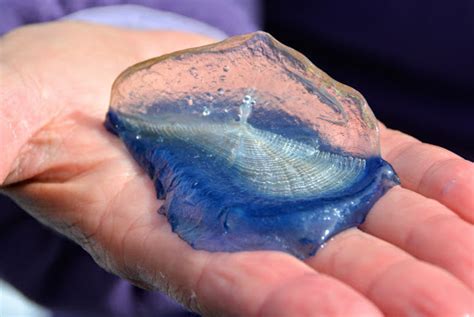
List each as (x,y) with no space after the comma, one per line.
(231,16)
(48,268)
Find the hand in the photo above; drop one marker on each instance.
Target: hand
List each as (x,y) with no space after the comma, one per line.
(413,255)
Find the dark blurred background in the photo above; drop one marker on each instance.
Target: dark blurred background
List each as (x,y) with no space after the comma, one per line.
(412,60)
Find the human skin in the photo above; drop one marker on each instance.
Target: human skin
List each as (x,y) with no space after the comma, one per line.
(412,256)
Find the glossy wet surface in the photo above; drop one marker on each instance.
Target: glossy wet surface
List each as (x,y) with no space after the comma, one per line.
(251,146)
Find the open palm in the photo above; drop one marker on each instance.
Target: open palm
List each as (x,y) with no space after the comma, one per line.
(412,256)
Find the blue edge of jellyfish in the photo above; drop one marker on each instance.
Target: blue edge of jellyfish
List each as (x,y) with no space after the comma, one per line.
(209,205)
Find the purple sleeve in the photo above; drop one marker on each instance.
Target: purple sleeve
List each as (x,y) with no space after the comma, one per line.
(50,269)
(230,16)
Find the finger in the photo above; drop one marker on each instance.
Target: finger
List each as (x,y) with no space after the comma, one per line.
(426,229)
(431,171)
(240,284)
(220,284)
(396,282)
(130,238)
(300,297)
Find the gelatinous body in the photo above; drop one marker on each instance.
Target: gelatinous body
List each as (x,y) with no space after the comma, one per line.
(251,146)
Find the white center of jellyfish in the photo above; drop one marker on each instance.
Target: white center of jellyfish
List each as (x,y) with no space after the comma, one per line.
(270,163)
(246,108)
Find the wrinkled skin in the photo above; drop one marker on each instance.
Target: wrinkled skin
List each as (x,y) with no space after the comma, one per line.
(413,255)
